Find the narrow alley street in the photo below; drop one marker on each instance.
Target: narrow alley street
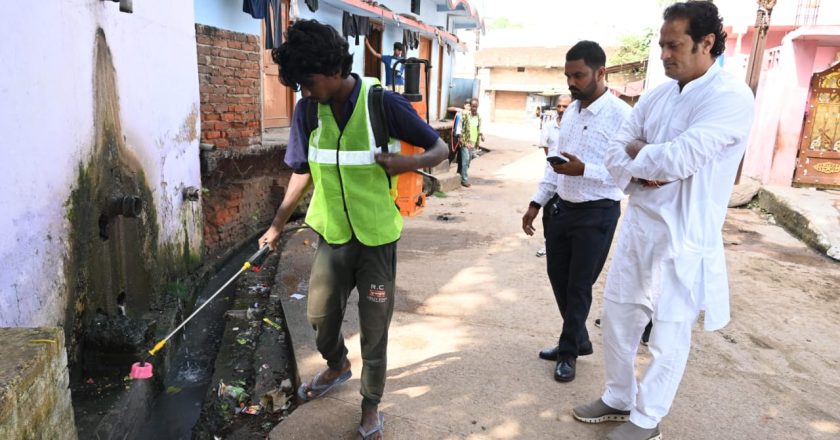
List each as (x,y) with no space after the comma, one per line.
(474,307)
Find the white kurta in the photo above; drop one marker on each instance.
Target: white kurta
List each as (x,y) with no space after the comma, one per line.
(669,256)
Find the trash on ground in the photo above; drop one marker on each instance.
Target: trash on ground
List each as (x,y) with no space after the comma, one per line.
(286,385)
(259,289)
(252,410)
(232,391)
(273,324)
(298,296)
(274,400)
(172,390)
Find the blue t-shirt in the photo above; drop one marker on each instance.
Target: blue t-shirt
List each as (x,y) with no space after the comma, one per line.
(390,61)
(403,123)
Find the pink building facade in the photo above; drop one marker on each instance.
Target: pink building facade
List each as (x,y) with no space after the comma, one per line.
(783,99)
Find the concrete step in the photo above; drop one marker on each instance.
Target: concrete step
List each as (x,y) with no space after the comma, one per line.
(808,214)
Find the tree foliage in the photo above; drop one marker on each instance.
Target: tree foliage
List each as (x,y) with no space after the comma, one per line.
(633,48)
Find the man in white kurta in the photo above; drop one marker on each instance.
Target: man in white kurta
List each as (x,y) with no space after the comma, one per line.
(676,158)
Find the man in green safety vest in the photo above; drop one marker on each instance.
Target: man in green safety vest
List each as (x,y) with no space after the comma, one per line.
(352,207)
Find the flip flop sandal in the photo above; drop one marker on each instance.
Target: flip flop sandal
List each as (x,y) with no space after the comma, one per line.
(378,428)
(310,391)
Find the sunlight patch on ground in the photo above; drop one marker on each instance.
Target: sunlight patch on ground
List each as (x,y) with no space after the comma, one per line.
(508,429)
(421,341)
(522,400)
(413,392)
(454,303)
(826,426)
(468,290)
(524,169)
(508,242)
(525,131)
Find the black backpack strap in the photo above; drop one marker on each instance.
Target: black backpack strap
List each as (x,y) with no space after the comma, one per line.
(376,110)
(311,114)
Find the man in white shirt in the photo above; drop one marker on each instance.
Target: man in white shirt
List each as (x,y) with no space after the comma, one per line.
(676,158)
(582,218)
(551,126)
(549,136)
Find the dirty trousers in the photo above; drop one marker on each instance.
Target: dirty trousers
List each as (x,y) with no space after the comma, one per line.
(577,241)
(337,269)
(670,342)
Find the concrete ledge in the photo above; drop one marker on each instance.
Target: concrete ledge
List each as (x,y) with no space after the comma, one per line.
(34,385)
(448,181)
(812,216)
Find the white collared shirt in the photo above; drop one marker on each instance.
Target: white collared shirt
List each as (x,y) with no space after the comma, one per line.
(586,134)
(669,255)
(550,131)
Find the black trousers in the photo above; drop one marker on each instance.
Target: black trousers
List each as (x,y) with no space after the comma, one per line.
(577,240)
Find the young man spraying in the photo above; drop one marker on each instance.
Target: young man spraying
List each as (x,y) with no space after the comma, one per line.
(352,207)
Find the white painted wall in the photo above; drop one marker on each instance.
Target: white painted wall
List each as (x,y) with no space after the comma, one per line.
(46,118)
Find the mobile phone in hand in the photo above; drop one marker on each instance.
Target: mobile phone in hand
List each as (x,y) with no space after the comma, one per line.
(556,160)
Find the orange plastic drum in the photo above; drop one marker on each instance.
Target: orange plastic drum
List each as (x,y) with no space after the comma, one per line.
(410,196)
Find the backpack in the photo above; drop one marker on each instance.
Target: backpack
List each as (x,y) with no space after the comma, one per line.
(376,110)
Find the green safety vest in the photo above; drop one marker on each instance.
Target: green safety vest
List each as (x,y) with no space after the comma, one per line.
(353,195)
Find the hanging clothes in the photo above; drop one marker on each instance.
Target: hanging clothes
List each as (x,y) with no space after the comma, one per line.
(354,26)
(411,39)
(261,9)
(254,7)
(294,11)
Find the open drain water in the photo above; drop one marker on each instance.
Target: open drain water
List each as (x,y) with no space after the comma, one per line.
(176,410)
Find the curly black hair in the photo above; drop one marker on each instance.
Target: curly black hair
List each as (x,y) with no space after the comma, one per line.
(703,19)
(311,48)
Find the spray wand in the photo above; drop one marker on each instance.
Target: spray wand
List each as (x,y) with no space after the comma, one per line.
(143,369)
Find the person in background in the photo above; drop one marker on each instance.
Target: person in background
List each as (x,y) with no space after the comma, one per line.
(550,127)
(393,71)
(456,124)
(549,136)
(470,140)
(352,207)
(676,158)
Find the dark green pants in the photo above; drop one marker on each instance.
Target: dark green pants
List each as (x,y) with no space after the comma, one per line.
(337,269)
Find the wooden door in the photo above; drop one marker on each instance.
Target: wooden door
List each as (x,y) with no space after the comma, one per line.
(277,99)
(424,52)
(373,66)
(818,163)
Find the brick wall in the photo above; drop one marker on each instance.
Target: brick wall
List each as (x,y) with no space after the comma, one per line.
(244,180)
(34,385)
(229,82)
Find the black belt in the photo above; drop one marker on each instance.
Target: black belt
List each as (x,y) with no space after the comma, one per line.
(602,203)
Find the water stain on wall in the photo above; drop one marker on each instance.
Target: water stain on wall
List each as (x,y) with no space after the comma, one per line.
(116,268)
